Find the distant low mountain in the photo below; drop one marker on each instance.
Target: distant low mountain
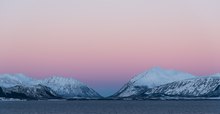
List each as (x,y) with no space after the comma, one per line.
(158,83)
(22,87)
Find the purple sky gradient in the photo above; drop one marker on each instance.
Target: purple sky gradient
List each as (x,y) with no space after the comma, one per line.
(106,42)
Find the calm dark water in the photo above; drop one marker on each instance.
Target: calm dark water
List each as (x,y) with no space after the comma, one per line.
(110,107)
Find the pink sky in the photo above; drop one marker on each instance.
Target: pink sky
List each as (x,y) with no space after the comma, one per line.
(105,42)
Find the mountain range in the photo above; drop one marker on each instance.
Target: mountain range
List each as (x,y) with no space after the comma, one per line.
(155,83)
(20,86)
(158,83)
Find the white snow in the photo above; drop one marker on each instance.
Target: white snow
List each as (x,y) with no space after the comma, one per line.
(152,78)
(158,76)
(189,87)
(216,75)
(66,87)
(10,80)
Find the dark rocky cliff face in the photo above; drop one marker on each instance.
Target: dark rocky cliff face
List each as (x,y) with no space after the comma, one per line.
(37,92)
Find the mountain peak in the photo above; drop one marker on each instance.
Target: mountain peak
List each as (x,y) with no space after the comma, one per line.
(157,76)
(216,75)
(9,80)
(14,76)
(69,87)
(151,78)
(62,81)
(63,87)
(160,69)
(156,69)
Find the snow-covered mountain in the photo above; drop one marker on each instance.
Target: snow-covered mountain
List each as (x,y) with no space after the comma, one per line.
(155,83)
(10,80)
(69,88)
(215,75)
(54,87)
(197,87)
(37,92)
(150,79)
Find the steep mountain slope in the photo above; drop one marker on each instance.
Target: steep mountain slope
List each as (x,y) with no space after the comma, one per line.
(69,88)
(54,87)
(198,87)
(149,79)
(36,92)
(10,80)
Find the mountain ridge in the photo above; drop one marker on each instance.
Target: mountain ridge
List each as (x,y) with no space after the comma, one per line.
(65,88)
(149,79)
(191,88)
(155,83)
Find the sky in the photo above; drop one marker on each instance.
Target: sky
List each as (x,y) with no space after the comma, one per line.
(104,43)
